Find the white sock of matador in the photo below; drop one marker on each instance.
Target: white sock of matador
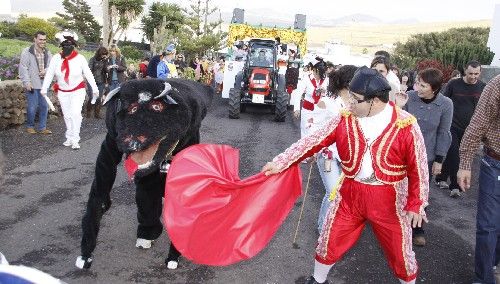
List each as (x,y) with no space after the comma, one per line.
(321,271)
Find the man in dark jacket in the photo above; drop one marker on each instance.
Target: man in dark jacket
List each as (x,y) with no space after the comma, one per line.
(464,93)
(153,64)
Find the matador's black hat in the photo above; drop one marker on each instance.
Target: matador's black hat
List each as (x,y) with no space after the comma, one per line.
(368,82)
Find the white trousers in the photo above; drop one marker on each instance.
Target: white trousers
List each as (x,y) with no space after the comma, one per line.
(306,122)
(71,105)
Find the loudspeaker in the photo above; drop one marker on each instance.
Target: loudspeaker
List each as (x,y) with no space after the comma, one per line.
(300,22)
(238,16)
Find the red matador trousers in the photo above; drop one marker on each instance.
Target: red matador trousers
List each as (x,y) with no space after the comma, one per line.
(356,203)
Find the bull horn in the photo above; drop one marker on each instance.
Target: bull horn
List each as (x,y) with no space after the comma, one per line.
(165,92)
(111,95)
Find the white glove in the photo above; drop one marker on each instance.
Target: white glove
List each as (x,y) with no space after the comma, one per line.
(95,96)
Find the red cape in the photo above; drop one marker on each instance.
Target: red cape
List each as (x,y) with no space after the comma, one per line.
(212,216)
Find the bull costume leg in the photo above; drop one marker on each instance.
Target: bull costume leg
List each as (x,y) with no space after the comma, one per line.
(99,200)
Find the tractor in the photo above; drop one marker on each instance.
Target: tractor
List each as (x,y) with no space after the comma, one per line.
(259,81)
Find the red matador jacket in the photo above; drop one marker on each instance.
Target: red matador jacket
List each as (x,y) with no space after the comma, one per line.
(398,154)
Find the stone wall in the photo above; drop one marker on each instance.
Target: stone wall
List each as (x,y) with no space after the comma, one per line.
(13,104)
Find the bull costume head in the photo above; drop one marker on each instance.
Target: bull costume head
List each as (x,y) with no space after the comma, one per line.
(155,119)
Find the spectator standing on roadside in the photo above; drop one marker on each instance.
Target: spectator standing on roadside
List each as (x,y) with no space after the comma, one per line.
(132,72)
(180,63)
(382,65)
(33,64)
(143,67)
(153,65)
(391,76)
(485,127)
(97,65)
(433,112)
(198,68)
(464,93)
(116,66)
(166,67)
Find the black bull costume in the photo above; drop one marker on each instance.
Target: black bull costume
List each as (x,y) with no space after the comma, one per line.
(148,121)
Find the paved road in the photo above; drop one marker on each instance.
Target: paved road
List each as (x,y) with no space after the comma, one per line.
(46,185)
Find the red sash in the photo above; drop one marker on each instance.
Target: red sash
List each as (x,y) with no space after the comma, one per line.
(310,105)
(79,86)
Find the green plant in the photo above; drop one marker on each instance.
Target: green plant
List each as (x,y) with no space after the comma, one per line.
(188,73)
(30,25)
(8,30)
(131,52)
(452,47)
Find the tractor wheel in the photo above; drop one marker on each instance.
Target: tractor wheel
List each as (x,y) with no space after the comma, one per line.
(281,106)
(234,103)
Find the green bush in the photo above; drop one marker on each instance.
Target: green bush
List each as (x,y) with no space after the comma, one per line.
(452,47)
(8,30)
(188,73)
(30,25)
(131,52)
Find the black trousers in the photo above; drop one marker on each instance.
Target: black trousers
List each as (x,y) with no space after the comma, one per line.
(452,160)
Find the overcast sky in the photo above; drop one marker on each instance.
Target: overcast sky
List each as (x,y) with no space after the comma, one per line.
(386,10)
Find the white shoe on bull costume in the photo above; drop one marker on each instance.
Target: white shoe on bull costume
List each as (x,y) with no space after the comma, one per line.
(143,243)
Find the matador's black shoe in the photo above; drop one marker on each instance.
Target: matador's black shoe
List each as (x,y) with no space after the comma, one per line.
(311,280)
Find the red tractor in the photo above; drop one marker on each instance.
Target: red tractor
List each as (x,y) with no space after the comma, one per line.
(259,82)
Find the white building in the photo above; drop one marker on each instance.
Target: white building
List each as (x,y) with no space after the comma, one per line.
(494,38)
(337,53)
(6,11)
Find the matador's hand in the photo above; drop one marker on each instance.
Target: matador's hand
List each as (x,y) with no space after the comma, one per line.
(270,169)
(416,219)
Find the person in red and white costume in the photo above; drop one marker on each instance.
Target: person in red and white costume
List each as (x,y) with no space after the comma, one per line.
(70,69)
(384,181)
(314,88)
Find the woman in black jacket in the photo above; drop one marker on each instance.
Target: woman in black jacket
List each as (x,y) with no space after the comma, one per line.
(97,65)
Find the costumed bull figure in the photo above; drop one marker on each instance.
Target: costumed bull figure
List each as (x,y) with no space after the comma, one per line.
(148,121)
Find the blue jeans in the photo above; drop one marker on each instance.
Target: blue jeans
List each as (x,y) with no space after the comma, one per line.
(36,101)
(100,88)
(488,221)
(114,84)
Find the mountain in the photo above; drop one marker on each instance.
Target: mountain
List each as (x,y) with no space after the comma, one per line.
(281,19)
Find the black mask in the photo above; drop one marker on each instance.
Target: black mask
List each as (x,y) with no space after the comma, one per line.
(67,49)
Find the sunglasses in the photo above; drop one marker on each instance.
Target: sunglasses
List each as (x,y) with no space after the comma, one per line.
(353,99)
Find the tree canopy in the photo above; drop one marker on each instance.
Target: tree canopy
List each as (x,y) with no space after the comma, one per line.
(453,47)
(194,29)
(78,17)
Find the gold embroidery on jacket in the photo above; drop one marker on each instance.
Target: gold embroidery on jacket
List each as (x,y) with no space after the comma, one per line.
(354,159)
